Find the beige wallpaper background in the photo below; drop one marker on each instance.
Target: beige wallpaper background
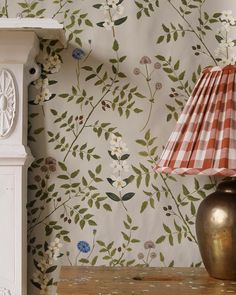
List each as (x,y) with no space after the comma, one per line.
(98,119)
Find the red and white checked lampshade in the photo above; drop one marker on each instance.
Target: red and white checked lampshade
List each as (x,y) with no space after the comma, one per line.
(204,139)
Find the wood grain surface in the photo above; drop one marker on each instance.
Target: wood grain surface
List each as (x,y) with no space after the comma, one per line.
(137,281)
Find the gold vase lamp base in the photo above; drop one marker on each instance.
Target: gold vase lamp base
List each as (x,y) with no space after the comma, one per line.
(216,231)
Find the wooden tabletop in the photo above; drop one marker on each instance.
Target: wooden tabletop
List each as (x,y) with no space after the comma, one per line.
(137,281)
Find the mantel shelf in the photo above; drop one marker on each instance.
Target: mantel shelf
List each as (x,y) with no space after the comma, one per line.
(44,28)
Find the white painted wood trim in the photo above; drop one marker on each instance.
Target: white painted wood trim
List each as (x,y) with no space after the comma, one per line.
(7,102)
(29,22)
(4,291)
(19,47)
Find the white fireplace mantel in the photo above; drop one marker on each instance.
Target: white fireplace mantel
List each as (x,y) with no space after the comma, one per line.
(19,47)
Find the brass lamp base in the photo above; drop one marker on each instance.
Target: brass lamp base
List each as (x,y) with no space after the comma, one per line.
(216,231)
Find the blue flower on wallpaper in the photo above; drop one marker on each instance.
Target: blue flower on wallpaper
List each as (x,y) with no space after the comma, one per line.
(83,246)
(78,54)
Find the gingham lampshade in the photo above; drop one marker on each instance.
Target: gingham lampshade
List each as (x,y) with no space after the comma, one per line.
(204,139)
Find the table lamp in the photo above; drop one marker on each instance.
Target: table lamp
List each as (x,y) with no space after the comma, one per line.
(204,143)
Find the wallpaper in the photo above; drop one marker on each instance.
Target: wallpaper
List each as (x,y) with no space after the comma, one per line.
(99,117)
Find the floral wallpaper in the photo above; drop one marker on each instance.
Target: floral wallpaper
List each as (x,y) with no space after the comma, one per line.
(99,117)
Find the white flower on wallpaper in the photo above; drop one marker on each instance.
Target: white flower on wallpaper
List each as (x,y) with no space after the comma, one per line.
(52,64)
(108,24)
(224,52)
(41,83)
(118,147)
(120,10)
(119,166)
(43,96)
(44,93)
(227,17)
(118,183)
(116,140)
(113,11)
(105,8)
(41,276)
(53,251)
(112,3)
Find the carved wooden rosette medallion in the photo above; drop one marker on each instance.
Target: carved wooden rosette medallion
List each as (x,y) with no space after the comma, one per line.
(7,104)
(4,291)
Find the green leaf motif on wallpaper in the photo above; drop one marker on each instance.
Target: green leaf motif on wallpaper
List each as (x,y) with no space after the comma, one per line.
(70,123)
(86,190)
(146,7)
(172,33)
(144,173)
(115,46)
(113,197)
(31,9)
(73,20)
(187,198)
(182,89)
(116,255)
(125,100)
(127,196)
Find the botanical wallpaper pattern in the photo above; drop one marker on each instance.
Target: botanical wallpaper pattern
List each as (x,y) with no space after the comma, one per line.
(99,117)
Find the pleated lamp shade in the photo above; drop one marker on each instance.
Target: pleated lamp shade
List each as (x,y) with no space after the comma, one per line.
(204,139)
